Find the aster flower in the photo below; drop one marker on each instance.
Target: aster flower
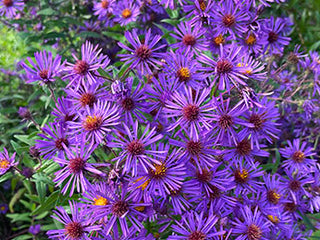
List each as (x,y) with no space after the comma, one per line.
(3,208)
(263,122)
(226,121)
(103,8)
(199,10)
(169,3)
(253,42)
(95,122)
(189,38)
(165,177)
(6,162)
(182,69)
(214,41)
(64,111)
(143,56)
(76,227)
(226,70)
(246,177)
(35,229)
(196,148)
(53,141)
(44,69)
(295,183)
(252,226)
(10,8)
(135,150)
(84,69)
(86,95)
(126,12)
(189,110)
(75,165)
(298,156)
(254,69)
(195,226)
(276,41)
(230,17)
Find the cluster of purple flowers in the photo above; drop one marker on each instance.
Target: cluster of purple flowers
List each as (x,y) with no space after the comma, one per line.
(186,134)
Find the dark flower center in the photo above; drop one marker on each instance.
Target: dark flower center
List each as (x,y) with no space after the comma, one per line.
(215,192)
(143,52)
(294,185)
(189,40)
(74,230)
(194,148)
(273,197)
(251,40)
(272,37)
(175,192)
(225,121)
(81,67)
(43,74)
(127,104)
(224,66)
(254,232)
(228,20)
(135,147)
(183,74)
(120,208)
(257,121)
(68,117)
(244,147)
(219,40)
(126,13)
(205,176)
(197,235)
(92,123)
(293,58)
(105,4)
(191,112)
(241,176)
(8,3)
(87,99)
(77,164)
(290,207)
(298,156)
(59,141)
(159,171)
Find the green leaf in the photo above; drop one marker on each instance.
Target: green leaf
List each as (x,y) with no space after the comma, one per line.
(41,190)
(19,217)
(47,12)
(25,139)
(5,177)
(48,204)
(15,198)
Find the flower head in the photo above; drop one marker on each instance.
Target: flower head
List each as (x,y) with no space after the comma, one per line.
(6,162)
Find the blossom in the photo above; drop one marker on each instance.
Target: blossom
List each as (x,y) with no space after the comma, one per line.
(126,12)
(10,8)
(6,162)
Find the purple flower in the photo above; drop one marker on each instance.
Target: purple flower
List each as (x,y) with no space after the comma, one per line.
(83,70)
(195,226)
(274,193)
(298,156)
(199,10)
(135,152)
(276,41)
(253,42)
(35,229)
(64,111)
(76,227)
(3,208)
(189,38)
(103,8)
(44,69)
(214,41)
(189,110)
(95,122)
(143,56)
(54,141)
(251,226)
(9,8)
(230,17)
(6,162)
(24,113)
(126,12)
(75,167)
(226,69)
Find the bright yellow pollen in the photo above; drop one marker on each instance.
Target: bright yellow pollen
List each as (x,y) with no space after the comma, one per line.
(144,185)
(3,208)
(4,163)
(203,6)
(251,40)
(126,13)
(100,201)
(184,72)
(219,40)
(273,219)
(140,208)
(276,195)
(243,174)
(160,170)
(247,71)
(92,123)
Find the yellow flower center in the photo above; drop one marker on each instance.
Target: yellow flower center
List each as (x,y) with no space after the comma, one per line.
(160,170)
(92,123)
(184,73)
(3,208)
(247,71)
(4,163)
(219,40)
(251,40)
(273,219)
(140,208)
(100,201)
(143,185)
(126,13)
(202,5)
